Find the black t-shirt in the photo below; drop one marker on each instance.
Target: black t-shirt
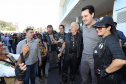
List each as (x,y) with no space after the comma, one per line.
(107,50)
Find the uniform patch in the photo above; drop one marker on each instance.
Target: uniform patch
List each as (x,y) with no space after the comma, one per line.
(101,46)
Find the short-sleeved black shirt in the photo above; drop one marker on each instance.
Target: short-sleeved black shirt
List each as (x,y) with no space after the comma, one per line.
(107,50)
(113,45)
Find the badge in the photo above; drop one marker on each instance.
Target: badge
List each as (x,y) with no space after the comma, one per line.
(101,46)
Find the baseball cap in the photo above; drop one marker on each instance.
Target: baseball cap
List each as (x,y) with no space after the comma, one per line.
(103,21)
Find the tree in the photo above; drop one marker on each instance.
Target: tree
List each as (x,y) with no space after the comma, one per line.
(7,26)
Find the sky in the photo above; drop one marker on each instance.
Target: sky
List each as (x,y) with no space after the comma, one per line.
(38,13)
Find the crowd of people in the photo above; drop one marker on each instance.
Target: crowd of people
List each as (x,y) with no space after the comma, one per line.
(96,47)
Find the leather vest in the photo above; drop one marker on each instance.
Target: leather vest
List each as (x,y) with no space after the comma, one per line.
(49,40)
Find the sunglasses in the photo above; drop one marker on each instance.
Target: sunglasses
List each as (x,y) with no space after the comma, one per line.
(100,28)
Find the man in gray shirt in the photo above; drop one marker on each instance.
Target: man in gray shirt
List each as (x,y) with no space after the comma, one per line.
(32,60)
(90,40)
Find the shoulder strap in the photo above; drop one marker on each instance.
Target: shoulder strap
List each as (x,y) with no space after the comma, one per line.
(4,62)
(11,58)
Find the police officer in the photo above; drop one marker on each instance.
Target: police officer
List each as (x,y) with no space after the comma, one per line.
(108,55)
(72,46)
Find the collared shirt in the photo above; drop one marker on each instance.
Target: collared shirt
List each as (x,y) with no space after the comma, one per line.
(90,39)
(34,53)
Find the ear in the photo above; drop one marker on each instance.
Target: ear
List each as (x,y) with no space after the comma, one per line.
(109,27)
(92,15)
(77,28)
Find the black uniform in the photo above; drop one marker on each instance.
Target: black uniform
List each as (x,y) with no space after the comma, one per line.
(73,44)
(107,50)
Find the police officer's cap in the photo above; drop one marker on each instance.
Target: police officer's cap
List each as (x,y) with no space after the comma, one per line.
(103,21)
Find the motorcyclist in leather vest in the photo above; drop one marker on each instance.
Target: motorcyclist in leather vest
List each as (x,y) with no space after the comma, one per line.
(50,42)
(72,46)
(109,57)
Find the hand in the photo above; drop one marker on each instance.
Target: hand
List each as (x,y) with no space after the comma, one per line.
(61,40)
(20,71)
(59,55)
(102,73)
(25,51)
(40,63)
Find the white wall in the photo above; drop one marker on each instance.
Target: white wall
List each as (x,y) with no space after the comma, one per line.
(119,6)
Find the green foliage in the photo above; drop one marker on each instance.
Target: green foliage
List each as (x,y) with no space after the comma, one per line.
(7,26)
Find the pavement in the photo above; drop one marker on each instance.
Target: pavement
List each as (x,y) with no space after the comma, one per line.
(54,77)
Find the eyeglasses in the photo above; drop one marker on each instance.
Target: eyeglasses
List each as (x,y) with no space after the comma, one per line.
(40,41)
(100,28)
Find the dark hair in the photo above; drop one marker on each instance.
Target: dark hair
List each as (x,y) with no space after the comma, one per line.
(115,24)
(49,26)
(90,8)
(112,30)
(28,29)
(14,34)
(62,26)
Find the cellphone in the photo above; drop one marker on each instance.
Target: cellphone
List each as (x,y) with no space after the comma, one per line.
(22,58)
